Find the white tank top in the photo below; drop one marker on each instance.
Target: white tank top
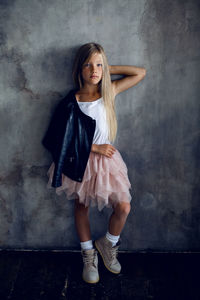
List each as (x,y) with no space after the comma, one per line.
(96,110)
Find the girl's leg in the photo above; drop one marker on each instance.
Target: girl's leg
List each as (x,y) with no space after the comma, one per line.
(118,218)
(108,245)
(82,223)
(90,259)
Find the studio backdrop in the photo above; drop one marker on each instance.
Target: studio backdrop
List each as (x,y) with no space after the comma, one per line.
(158,119)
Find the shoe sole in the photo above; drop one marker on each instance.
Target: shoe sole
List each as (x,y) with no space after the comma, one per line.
(91,281)
(104,260)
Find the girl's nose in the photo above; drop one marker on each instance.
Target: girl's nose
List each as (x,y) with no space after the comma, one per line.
(93,69)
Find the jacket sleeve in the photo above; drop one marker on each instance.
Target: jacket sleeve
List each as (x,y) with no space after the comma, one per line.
(52,138)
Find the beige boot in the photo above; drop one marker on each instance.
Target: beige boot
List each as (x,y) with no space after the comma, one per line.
(90,268)
(109,254)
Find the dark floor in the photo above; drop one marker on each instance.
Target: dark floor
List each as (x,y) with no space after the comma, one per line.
(57,275)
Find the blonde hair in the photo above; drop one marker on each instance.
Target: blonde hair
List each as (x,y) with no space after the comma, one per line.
(105,86)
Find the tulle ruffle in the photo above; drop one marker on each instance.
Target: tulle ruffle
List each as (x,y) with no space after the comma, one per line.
(105,182)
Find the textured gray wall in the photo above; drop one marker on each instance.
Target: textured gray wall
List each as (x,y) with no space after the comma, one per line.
(159,118)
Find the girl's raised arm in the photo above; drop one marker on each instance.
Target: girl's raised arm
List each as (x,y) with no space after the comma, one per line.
(132,74)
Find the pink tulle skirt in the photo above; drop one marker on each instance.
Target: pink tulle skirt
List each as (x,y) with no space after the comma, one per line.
(105,182)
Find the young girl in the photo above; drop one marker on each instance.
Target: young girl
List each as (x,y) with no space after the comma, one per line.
(92,170)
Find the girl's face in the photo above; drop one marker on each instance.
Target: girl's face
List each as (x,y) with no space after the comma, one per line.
(92,69)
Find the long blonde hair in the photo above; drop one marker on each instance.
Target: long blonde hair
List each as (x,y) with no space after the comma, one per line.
(105,87)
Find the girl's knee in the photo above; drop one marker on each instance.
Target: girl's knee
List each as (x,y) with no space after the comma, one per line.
(123,208)
(80,208)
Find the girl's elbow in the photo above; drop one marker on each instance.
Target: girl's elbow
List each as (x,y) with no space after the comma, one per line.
(143,73)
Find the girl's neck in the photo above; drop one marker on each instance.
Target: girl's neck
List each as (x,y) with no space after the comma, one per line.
(90,91)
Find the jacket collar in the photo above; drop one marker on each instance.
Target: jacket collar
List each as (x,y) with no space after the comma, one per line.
(72,98)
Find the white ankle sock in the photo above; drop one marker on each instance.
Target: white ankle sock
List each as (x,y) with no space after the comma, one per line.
(112,238)
(86,245)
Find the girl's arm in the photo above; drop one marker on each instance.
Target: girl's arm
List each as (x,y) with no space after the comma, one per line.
(133,75)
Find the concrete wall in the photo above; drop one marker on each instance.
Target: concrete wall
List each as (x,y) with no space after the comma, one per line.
(159,118)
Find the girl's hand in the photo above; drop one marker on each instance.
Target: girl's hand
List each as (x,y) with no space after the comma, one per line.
(105,149)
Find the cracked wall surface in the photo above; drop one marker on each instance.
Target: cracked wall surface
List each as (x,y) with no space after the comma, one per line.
(158,119)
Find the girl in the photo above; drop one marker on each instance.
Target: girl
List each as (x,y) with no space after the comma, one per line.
(92,170)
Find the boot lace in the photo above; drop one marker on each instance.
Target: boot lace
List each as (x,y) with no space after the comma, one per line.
(89,258)
(113,253)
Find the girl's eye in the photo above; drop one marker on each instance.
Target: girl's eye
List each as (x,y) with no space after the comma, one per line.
(88,65)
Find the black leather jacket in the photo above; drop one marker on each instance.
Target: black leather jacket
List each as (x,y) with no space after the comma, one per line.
(69,139)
